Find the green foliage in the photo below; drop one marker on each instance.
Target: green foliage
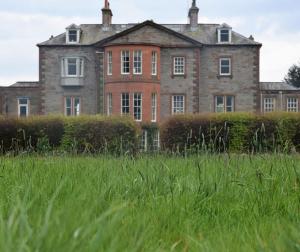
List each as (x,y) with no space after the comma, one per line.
(201,203)
(237,132)
(293,76)
(88,134)
(96,134)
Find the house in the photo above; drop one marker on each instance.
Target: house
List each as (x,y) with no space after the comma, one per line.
(149,71)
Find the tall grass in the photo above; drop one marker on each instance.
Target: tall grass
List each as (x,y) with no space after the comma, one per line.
(206,203)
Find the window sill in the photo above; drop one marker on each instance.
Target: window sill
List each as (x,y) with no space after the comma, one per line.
(178,76)
(219,76)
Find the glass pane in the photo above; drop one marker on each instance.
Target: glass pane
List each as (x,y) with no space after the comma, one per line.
(224,35)
(229,103)
(23,101)
(23,111)
(72,69)
(76,106)
(73,36)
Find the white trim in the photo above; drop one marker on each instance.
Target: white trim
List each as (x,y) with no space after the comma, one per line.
(109,104)
(79,67)
(295,102)
(72,106)
(141,106)
(173,107)
(229,35)
(154,63)
(267,101)
(133,61)
(27,106)
(77,36)
(154,108)
(122,103)
(122,62)
(109,63)
(220,67)
(174,65)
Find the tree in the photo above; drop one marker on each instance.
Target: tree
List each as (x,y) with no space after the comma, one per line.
(293,76)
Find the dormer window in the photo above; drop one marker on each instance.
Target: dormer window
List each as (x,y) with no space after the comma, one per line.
(224,34)
(73,34)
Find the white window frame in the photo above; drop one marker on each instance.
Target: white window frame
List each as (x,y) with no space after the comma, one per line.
(292,104)
(156,140)
(144,141)
(138,97)
(269,102)
(109,63)
(224,105)
(74,111)
(176,65)
(154,63)
(79,67)
(23,105)
(125,114)
(109,104)
(229,35)
(153,107)
(123,55)
(77,36)
(138,59)
(220,66)
(176,110)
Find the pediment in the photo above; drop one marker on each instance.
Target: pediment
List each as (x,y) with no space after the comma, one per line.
(151,33)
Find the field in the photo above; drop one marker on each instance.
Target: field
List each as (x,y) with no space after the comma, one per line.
(206,203)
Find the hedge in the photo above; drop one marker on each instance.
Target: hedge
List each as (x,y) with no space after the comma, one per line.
(81,134)
(237,132)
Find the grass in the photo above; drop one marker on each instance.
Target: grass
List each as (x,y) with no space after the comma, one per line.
(206,203)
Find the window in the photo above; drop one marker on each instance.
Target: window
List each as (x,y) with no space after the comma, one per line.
(178,104)
(224,104)
(109,63)
(144,141)
(137,106)
(72,36)
(224,35)
(72,67)
(109,104)
(292,104)
(225,66)
(179,66)
(125,104)
(23,107)
(156,140)
(154,63)
(125,62)
(72,106)
(269,105)
(137,62)
(153,107)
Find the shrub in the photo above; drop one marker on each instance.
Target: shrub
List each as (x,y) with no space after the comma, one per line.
(96,134)
(237,132)
(24,134)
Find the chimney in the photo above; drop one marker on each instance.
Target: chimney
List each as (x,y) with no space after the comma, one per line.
(193,15)
(106,14)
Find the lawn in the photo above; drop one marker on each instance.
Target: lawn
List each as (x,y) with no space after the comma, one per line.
(206,203)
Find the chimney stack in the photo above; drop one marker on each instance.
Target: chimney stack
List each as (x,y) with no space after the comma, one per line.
(193,15)
(106,14)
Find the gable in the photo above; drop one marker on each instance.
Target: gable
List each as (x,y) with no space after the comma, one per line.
(150,33)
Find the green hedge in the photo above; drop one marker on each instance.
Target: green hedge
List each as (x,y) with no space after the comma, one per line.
(93,134)
(232,133)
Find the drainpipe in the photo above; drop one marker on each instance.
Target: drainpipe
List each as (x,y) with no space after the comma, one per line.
(261,102)
(281,101)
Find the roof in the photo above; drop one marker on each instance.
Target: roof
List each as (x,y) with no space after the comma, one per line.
(277,86)
(25,84)
(204,33)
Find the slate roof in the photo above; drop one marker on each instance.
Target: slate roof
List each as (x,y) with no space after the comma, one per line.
(25,84)
(277,86)
(205,33)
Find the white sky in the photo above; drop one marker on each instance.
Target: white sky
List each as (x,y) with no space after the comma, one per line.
(26,23)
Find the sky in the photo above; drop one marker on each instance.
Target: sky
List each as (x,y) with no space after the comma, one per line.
(274,23)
